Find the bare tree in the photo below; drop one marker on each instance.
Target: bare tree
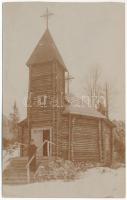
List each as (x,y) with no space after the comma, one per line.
(97,91)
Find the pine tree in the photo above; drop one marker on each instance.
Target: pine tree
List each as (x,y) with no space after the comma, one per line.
(14,117)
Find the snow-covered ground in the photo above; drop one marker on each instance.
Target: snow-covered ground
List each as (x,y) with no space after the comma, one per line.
(95,182)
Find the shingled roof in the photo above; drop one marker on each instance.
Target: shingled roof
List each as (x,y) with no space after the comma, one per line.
(45,50)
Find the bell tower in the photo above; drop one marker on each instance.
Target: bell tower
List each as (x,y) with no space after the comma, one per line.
(46,94)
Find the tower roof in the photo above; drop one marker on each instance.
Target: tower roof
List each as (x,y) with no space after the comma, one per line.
(45,51)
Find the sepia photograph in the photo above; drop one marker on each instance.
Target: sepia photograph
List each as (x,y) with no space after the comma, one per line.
(63,117)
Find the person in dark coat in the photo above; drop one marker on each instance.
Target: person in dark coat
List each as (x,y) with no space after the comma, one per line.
(32,151)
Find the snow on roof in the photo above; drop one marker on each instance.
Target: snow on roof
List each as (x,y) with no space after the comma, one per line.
(77,106)
(83,110)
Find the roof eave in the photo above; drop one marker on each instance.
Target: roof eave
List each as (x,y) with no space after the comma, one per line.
(80,114)
(28,64)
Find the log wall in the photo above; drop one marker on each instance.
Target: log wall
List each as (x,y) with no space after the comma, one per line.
(47,81)
(65,137)
(85,139)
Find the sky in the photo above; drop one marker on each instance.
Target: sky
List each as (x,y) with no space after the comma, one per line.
(88,36)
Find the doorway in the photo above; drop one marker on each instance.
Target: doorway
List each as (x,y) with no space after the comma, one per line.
(40,135)
(46,146)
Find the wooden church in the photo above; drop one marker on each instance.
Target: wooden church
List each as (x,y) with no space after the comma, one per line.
(73,133)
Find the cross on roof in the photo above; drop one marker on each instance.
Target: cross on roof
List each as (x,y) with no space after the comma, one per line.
(47,15)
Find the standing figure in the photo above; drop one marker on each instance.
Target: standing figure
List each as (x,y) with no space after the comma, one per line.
(32,152)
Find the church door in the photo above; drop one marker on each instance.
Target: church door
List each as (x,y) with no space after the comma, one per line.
(46,147)
(39,135)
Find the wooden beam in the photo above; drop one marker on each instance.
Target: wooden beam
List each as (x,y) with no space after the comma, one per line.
(100,140)
(48,152)
(112,145)
(69,128)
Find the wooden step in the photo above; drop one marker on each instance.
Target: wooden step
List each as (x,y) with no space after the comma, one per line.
(18,166)
(20,159)
(18,179)
(11,182)
(19,162)
(19,169)
(8,174)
